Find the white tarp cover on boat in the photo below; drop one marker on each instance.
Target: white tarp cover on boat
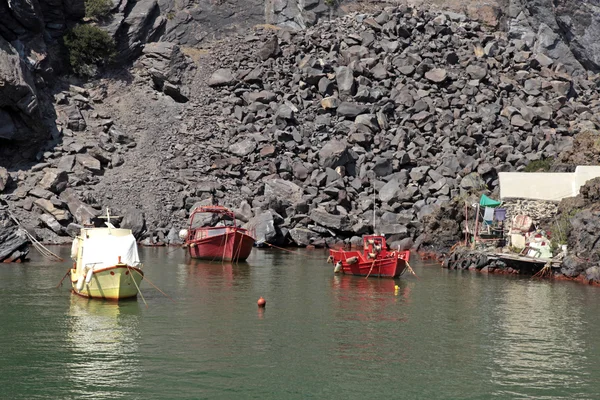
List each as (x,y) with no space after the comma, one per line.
(104,251)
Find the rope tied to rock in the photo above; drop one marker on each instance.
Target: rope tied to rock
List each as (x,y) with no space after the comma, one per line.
(36,244)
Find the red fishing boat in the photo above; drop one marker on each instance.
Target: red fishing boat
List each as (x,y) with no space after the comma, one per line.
(374,260)
(220,242)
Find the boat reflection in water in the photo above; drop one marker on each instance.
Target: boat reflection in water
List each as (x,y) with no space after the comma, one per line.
(369,298)
(104,338)
(373,311)
(215,276)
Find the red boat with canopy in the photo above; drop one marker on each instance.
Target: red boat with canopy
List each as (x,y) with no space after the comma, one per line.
(374,260)
(220,242)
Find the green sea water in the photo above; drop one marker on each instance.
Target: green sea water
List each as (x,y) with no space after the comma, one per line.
(446,335)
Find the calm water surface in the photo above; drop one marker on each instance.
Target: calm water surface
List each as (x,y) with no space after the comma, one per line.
(447,335)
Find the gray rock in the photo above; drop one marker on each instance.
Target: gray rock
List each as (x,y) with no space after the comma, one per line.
(11,241)
(4,179)
(282,189)
(476,72)
(351,110)
(472,181)
(303,237)
(332,221)
(135,220)
(222,77)
(62,216)
(243,148)
(52,223)
(54,180)
(334,154)
(73,229)
(330,103)
(436,75)
(269,49)
(263,227)
(89,162)
(83,213)
(345,80)
(18,95)
(389,191)
(66,163)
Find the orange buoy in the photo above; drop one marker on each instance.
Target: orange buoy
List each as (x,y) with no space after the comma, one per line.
(261,302)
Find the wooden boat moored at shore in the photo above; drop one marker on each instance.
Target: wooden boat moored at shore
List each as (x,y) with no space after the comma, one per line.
(221,242)
(106,263)
(374,260)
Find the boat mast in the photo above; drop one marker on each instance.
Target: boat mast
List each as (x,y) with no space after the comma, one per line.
(374,208)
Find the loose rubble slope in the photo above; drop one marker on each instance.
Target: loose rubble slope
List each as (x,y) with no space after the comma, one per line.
(300,132)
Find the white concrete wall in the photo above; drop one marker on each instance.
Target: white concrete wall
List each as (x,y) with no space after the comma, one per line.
(552,186)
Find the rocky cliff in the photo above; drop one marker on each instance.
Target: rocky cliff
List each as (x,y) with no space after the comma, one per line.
(301,130)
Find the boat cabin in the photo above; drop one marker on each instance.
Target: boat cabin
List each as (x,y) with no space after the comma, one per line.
(374,245)
(200,228)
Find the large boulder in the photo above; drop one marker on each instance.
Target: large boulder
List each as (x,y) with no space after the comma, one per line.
(83,213)
(334,154)
(302,236)
(284,190)
(54,180)
(19,110)
(222,77)
(263,227)
(4,179)
(62,216)
(135,220)
(11,240)
(337,222)
(142,24)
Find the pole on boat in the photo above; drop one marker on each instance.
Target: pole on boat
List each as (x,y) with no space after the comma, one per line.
(374,208)
(466,224)
(476,226)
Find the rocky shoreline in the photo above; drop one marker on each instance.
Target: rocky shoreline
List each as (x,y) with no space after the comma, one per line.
(304,132)
(464,259)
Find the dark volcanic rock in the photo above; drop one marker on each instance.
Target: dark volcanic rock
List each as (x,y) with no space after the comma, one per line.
(135,220)
(323,218)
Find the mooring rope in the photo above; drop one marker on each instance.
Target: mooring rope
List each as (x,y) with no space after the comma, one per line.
(292,252)
(412,271)
(137,287)
(372,265)
(236,255)
(153,285)
(61,281)
(36,244)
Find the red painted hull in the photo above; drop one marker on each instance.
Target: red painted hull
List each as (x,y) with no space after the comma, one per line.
(392,265)
(233,244)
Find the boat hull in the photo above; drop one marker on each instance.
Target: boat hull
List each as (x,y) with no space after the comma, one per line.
(385,267)
(230,246)
(113,283)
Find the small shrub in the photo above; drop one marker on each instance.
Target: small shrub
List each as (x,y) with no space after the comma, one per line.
(98,8)
(89,48)
(542,165)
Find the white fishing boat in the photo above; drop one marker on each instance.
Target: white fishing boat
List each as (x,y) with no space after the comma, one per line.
(106,263)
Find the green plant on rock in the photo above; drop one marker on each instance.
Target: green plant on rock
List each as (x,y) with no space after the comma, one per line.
(542,165)
(330,3)
(98,9)
(561,229)
(89,48)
